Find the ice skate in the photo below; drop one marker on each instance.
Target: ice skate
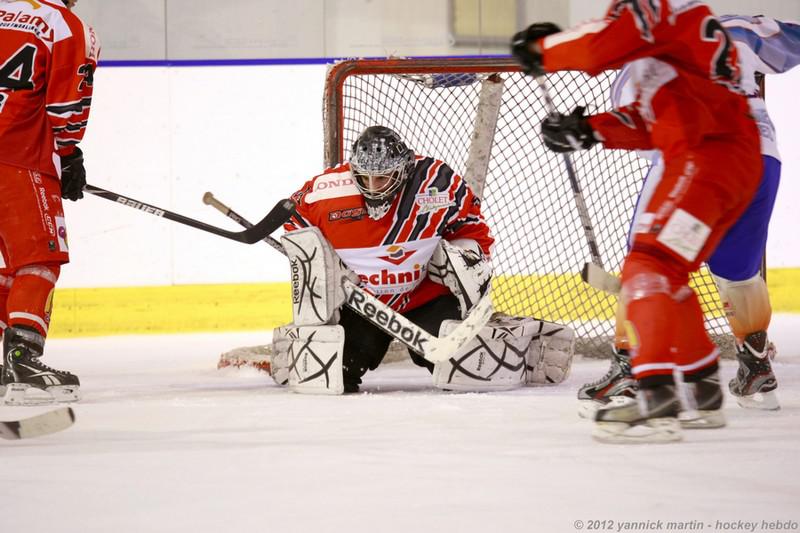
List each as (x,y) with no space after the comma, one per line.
(27,381)
(617,387)
(704,409)
(755,383)
(652,418)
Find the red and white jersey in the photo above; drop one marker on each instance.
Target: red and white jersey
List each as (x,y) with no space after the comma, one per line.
(47,62)
(391,254)
(687,77)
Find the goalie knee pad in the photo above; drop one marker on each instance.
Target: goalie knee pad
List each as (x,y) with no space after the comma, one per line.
(308,358)
(746,304)
(317,276)
(508,353)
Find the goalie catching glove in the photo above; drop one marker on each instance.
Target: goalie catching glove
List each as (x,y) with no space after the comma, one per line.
(461,266)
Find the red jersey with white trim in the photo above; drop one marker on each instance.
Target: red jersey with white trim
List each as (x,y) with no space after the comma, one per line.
(391,254)
(687,83)
(47,62)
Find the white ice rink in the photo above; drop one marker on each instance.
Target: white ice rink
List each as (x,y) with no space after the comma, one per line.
(164,442)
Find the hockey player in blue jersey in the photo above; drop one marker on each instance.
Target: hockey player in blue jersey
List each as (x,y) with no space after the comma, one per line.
(765,46)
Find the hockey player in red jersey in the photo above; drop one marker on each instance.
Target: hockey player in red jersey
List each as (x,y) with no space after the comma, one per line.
(47,62)
(689,106)
(385,212)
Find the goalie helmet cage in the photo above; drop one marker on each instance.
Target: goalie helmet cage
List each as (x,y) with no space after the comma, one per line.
(436,105)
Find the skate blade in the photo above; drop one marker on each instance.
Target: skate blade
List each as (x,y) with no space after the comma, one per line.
(22,394)
(653,431)
(702,419)
(588,408)
(764,401)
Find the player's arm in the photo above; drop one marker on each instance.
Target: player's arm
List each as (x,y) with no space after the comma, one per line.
(302,217)
(68,100)
(775,44)
(468,222)
(622,128)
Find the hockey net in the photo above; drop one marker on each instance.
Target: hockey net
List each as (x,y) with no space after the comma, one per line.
(482,116)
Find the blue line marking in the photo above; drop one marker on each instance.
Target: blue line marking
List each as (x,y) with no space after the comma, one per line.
(252,62)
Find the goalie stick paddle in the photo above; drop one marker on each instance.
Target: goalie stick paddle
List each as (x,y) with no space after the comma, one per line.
(39,425)
(256,232)
(433,348)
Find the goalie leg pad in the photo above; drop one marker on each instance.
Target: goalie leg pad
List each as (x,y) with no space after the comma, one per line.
(309,358)
(496,359)
(550,354)
(316,274)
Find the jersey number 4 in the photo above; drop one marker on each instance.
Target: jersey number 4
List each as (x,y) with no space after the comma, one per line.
(17,72)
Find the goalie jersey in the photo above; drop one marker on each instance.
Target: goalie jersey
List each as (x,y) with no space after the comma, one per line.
(390,255)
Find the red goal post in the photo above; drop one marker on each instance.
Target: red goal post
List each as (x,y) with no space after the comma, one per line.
(481,115)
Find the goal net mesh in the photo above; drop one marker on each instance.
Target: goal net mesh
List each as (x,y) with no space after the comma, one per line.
(527,199)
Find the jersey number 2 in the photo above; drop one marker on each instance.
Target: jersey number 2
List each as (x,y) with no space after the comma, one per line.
(721,66)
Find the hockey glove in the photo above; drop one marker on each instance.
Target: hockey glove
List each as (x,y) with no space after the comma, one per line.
(529,60)
(568,133)
(461,267)
(73,176)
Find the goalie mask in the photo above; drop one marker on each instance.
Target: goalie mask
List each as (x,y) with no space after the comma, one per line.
(380,163)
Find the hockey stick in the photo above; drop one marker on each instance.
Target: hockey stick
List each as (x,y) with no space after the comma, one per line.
(39,425)
(254,233)
(590,270)
(433,348)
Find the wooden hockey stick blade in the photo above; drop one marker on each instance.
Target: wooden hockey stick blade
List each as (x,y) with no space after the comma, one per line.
(271,222)
(598,278)
(39,425)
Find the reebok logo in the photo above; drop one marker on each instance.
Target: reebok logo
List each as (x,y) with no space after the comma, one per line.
(388,321)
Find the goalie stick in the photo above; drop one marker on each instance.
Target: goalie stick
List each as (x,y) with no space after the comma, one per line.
(580,202)
(433,348)
(38,425)
(254,233)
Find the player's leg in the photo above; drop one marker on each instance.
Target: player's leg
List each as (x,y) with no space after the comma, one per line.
(34,236)
(429,316)
(736,264)
(364,348)
(689,213)
(5,284)
(617,384)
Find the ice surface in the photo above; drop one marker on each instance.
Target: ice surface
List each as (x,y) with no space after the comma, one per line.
(165,442)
